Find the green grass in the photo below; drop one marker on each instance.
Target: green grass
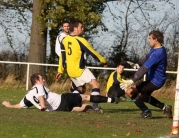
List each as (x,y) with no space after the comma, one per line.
(118,121)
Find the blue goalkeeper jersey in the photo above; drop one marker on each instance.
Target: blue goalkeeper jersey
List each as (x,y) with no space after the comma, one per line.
(157,65)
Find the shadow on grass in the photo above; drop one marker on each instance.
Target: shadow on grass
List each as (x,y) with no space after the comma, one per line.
(136,112)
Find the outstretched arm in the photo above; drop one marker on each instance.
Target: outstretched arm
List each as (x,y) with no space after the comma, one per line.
(9,105)
(79,109)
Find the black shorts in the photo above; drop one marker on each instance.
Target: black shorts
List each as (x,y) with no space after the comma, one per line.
(113,89)
(146,87)
(68,101)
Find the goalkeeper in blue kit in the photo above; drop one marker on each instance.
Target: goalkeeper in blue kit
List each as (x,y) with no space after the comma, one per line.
(154,64)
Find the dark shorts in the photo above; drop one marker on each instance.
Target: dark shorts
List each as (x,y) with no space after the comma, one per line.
(68,101)
(113,89)
(146,87)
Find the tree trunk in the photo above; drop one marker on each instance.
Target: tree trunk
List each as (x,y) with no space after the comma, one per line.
(37,50)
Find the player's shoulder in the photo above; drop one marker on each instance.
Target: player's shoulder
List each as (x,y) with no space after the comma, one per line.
(61,35)
(37,87)
(80,38)
(160,51)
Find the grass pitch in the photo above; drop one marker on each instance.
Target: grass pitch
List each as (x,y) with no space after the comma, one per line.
(118,121)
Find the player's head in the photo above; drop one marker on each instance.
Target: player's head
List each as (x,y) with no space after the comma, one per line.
(37,79)
(120,68)
(76,27)
(65,26)
(156,37)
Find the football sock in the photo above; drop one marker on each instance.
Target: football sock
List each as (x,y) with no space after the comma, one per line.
(77,91)
(95,91)
(153,101)
(139,103)
(73,87)
(98,99)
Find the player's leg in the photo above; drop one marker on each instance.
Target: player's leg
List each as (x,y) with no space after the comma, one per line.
(79,89)
(146,97)
(88,77)
(131,92)
(95,91)
(115,91)
(98,99)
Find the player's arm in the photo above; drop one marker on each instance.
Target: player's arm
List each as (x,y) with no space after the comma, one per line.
(60,66)
(42,103)
(9,105)
(90,50)
(79,109)
(140,73)
(143,60)
(57,46)
(144,68)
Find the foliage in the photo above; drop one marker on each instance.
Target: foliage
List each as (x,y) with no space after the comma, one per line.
(17,70)
(59,10)
(132,21)
(14,17)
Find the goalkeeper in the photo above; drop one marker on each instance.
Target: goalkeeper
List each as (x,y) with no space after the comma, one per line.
(154,64)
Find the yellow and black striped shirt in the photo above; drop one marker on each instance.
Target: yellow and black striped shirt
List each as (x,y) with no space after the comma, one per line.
(114,78)
(73,58)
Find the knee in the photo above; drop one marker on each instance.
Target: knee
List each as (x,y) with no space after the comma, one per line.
(131,91)
(96,84)
(144,97)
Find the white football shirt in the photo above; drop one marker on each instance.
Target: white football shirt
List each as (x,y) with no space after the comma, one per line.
(52,100)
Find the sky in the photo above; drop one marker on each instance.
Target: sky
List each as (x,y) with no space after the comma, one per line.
(114,9)
(113,17)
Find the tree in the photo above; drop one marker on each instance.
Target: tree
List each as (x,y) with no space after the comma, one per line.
(136,19)
(15,25)
(37,50)
(58,11)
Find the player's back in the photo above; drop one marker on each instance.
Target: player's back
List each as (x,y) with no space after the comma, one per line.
(75,61)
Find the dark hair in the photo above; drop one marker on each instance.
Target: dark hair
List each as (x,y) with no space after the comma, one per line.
(34,78)
(65,22)
(156,34)
(74,23)
(120,64)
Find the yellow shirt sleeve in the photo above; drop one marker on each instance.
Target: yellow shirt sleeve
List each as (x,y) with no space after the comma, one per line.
(85,45)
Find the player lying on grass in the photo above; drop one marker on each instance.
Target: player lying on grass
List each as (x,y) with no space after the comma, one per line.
(45,100)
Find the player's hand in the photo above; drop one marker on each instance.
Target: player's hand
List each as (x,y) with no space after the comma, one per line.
(6,103)
(105,65)
(58,76)
(43,109)
(126,84)
(133,65)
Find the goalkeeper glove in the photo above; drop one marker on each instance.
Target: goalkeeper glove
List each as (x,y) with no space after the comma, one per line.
(134,65)
(126,84)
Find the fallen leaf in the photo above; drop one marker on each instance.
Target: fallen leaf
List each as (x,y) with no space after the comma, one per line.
(98,126)
(128,134)
(138,131)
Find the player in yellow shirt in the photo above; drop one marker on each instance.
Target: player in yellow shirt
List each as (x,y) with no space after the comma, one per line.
(113,85)
(73,59)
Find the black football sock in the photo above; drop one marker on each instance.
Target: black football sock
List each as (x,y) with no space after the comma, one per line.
(153,101)
(98,99)
(139,103)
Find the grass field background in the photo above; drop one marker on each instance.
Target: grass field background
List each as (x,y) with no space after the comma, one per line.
(118,121)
